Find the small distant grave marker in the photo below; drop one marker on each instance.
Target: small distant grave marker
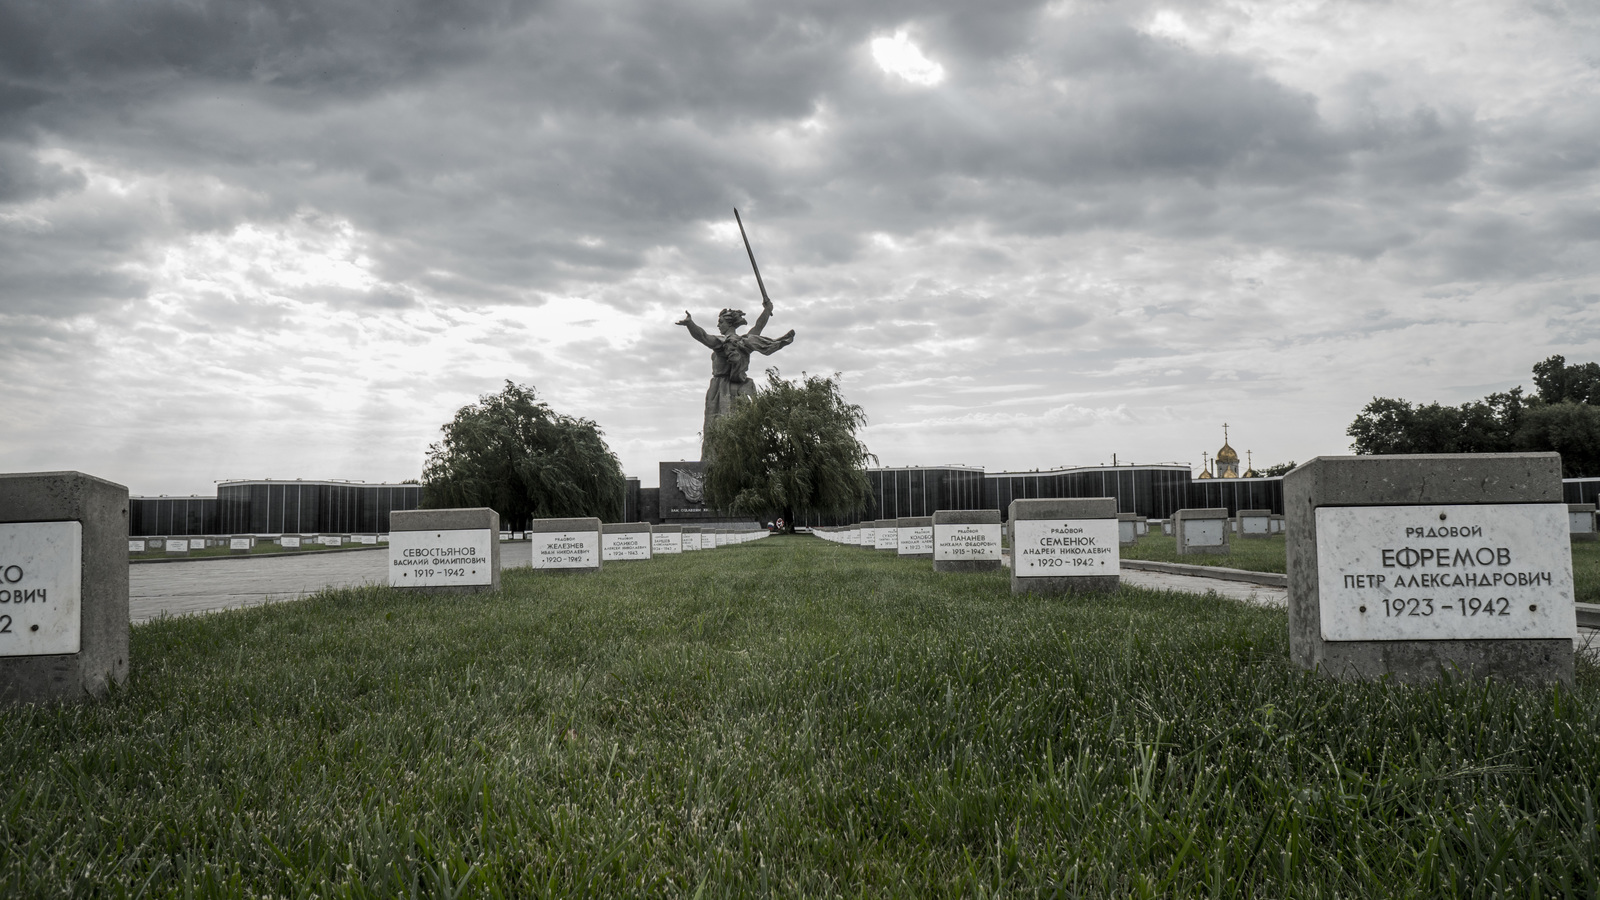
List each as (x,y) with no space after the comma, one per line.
(666,540)
(1128,528)
(1580,521)
(571,545)
(1202,530)
(1255,523)
(915,537)
(625,541)
(966,540)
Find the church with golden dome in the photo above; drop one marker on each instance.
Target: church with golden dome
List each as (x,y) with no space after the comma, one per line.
(1227,462)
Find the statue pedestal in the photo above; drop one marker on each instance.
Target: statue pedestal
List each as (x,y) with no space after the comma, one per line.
(683,499)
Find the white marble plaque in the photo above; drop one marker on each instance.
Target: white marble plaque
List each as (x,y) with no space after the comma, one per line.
(1256,525)
(565,549)
(869,537)
(235,544)
(966,542)
(1491,572)
(440,558)
(1581,522)
(914,539)
(1125,531)
(177,545)
(292,543)
(197,543)
(666,542)
(625,545)
(1054,548)
(1204,532)
(41,588)
(888,538)
(331,540)
(722,539)
(368,539)
(136,546)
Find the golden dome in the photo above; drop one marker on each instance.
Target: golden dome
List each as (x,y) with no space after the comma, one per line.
(1227,454)
(1203,475)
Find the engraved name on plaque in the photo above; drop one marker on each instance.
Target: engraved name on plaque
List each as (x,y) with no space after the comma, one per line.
(1469,572)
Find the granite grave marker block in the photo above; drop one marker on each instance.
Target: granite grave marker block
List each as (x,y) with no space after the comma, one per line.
(1413,566)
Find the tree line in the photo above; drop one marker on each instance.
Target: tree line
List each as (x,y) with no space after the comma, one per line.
(788,451)
(1562,415)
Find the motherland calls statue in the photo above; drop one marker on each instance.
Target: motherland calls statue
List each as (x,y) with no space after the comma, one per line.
(730,350)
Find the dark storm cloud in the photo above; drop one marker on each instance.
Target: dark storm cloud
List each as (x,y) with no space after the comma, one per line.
(501,151)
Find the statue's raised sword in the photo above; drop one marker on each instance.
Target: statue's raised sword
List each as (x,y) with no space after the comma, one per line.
(765,300)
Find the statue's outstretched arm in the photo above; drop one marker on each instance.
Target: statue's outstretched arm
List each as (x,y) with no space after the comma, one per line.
(761,320)
(697,332)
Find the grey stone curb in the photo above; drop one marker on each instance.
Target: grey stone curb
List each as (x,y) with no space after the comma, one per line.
(1588,615)
(1270,579)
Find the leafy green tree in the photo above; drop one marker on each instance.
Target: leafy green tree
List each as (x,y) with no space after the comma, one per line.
(791,449)
(1275,471)
(1396,426)
(1563,416)
(1560,383)
(1570,429)
(512,453)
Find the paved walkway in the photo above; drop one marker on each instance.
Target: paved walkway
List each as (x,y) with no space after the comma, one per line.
(201,585)
(1259,594)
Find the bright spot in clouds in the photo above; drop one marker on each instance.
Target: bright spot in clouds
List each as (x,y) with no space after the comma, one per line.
(898,56)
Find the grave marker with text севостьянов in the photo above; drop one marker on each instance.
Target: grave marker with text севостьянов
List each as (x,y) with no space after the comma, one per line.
(446,551)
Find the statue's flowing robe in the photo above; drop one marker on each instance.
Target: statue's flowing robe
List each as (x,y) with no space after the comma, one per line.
(730,373)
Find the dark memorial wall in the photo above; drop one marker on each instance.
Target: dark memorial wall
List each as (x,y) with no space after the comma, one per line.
(1151,491)
(1580,490)
(922,491)
(1237,494)
(275,507)
(172,515)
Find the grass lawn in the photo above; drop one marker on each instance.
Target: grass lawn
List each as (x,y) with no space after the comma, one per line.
(787,717)
(1253,554)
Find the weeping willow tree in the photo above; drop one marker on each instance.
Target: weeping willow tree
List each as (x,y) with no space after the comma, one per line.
(512,453)
(791,449)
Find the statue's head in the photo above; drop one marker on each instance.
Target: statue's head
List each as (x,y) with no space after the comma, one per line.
(730,318)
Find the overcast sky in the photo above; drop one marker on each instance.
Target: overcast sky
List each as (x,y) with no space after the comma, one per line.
(289,239)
